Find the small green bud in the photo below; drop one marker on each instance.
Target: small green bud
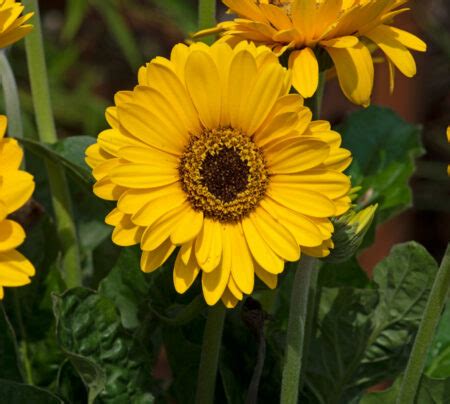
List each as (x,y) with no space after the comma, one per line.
(349,232)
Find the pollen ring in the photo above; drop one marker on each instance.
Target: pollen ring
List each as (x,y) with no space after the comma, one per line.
(224,174)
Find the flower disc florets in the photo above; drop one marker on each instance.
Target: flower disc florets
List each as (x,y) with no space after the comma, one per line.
(224,174)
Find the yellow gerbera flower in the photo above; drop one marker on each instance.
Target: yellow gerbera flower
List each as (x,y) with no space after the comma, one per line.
(345,29)
(210,153)
(16,187)
(13,27)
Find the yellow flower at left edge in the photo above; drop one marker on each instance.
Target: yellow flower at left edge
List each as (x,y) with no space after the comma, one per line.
(16,188)
(13,26)
(210,153)
(448,138)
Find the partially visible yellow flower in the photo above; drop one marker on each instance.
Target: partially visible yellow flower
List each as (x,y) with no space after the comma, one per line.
(210,153)
(13,27)
(448,138)
(16,187)
(344,29)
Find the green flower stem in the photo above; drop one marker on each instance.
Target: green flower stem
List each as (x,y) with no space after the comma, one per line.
(47,134)
(207,17)
(11,95)
(427,328)
(209,359)
(303,302)
(295,338)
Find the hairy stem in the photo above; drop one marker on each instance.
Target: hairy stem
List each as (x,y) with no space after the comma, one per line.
(427,328)
(209,359)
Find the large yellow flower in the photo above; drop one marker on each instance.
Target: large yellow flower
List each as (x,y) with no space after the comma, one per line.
(13,27)
(345,29)
(211,154)
(16,187)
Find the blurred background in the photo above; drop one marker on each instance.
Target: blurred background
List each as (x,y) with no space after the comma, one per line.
(94,48)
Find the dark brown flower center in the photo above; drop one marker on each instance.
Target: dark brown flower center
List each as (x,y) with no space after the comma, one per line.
(224,174)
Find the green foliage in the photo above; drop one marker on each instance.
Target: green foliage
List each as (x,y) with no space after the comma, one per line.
(8,349)
(384,148)
(112,364)
(365,335)
(439,358)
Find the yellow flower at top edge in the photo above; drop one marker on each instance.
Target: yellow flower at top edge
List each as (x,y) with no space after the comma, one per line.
(16,187)
(210,153)
(13,27)
(345,29)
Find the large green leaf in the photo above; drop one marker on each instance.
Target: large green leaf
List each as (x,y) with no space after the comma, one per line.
(113,364)
(364,335)
(384,148)
(431,391)
(16,393)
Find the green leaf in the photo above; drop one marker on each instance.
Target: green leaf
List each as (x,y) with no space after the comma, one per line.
(127,287)
(364,335)
(113,364)
(12,392)
(431,391)
(69,153)
(384,148)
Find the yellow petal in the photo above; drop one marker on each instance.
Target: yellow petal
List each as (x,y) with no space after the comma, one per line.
(204,86)
(302,200)
(294,156)
(214,284)
(184,274)
(355,72)
(16,189)
(260,250)
(330,183)
(152,260)
(208,245)
(126,232)
(407,39)
(10,155)
(399,55)
(150,127)
(12,235)
(15,269)
(275,235)
(159,206)
(188,228)
(269,279)
(277,17)
(262,97)
(241,77)
(305,71)
(229,300)
(242,263)
(341,42)
(138,176)
(304,17)
(160,231)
